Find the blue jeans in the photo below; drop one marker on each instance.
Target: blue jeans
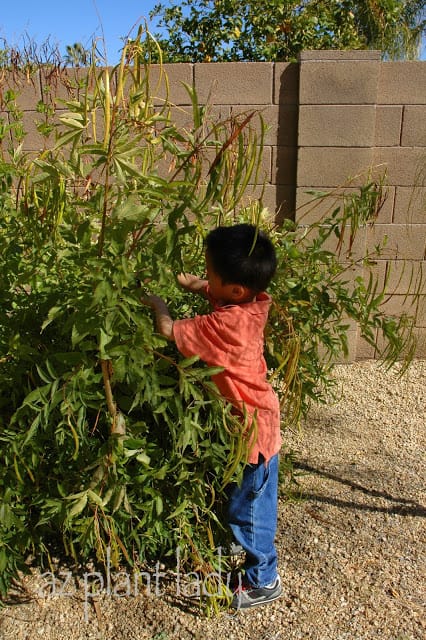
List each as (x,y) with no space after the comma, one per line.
(252,517)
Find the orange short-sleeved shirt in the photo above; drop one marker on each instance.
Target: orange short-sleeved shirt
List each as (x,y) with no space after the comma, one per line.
(232,337)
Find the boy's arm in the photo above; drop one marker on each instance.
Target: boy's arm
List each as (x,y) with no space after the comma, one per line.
(192,283)
(164,321)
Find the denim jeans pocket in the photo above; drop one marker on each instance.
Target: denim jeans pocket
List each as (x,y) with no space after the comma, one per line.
(259,480)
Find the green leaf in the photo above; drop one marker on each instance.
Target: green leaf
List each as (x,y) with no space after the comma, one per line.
(188,362)
(180,509)
(94,497)
(54,312)
(78,507)
(143,458)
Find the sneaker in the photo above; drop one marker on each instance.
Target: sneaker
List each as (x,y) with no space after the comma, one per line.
(235,549)
(246,596)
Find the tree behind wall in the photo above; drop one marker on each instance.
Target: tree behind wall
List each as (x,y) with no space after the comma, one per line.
(278,30)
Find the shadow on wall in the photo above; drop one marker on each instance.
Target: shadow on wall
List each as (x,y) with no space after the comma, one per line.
(285,163)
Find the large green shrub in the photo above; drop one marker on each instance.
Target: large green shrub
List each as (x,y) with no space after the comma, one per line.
(110,443)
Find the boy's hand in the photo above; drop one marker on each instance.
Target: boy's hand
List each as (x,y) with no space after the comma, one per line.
(164,321)
(153,301)
(186,279)
(192,283)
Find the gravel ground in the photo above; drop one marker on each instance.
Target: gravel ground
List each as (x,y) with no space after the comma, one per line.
(352,553)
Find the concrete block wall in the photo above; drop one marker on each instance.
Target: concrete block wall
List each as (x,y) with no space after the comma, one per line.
(240,88)
(401,147)
(332,118)
(360,116)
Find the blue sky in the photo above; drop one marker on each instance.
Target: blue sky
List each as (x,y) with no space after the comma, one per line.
(75,21)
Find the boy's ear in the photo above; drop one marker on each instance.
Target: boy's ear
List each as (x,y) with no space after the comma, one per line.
(239,292)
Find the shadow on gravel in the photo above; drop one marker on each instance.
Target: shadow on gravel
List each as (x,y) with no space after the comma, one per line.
(400,506)
(17,595)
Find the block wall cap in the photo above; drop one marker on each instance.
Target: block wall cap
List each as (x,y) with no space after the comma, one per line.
(335,55)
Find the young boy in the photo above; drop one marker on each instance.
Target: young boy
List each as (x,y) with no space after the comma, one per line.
(240,263)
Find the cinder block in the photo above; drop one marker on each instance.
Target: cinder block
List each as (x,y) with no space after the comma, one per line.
(68,85)
(401,164)
(414,126)
(385,213)
(286,83)
(339,55)
(333,166)
(412,306)
(4,120)
(65,84)
(284,161)
(182,117)
(336,125)
(364,350)
(388,126)
(315,206)
(269,115)
(33,140)
(410,205)
(27,90)
(341,358)
(406,276)
(345,248)
(286,134)
(353,272)
(348,277)
(236,83)
(343,82)
(352,338)
(176,75)
(402,83)
(377,269)
(265,194)
(285,197)
(312,208)
(166,83)
(420,337)
(166,166)
(265,169)
(401,242)
(278,201)
(281,123)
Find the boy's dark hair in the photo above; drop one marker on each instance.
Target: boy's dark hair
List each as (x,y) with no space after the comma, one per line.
(242,254)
